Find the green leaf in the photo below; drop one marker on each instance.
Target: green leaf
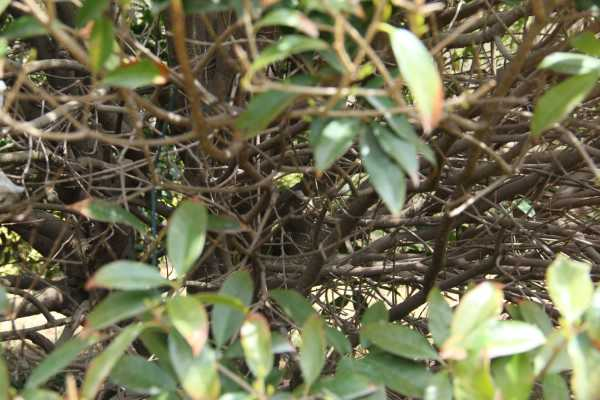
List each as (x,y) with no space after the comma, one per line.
(570,63)
(312,350)
(285,47)
(226,321)
(586,368)
(142,376)
(387,178)
(106,211)
(4,380)
(102,364)
(141,72)
(102,43)
(338,340)
(592,317)
(552,357)
(186,236)
(155,340)
(91,10)
(534,314)
(255,337)
(514,376)
(262,110)
(439,387)
(377,312)
(439,317)
(59,359)
(198,375)
(420,73)
(472,379)
(4,303)
(118,306)
(23,28)
(290,18)
(504,338)
(570,287)
(554,387)
(347,385)
(4,5)
(220,223)
(222,299)
(296,306)
(189,317)
(331,140)
(559,101)
(127,275)
(586,43)
(402,152)
(399,340)
(39,394)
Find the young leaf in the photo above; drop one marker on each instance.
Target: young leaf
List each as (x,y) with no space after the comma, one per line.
(102,364)
(439,317)
(23,28)
(133,74)
(554,387)
(399,340)
(472,379)
(592,317)
(255,337)
(91,10)
(514,376)
(290,18)
(552,357)
(439,388)
(226,321)
(106,211)
(59,359)
(312,351)
(401,151)
(127,275)
(186,235)
(479,305)
(119,306)
(387,178)
(101,43)
(571,63)
(586,368)
(559,101)
(142,376)
(570,287)
(504,338)
(189,317)
(332,140)
(420,73)
(286,47)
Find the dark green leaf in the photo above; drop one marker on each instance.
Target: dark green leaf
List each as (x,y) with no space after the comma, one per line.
(347,385)
(332,140)
(23,28)
(534,314)
(186,235)
(91,10)
(514,376)
(296,306)
(102,43)
(285,47)
(312,350)
(387,178)
(189,317)
(439,388)
(226,321)
(377,312)
(102,364)
(141,72)
(255,337)
(119,306)
(338,340)
(127,275)
(220,223)
(142,376)
(39,394)
(399,340)
(559,101)
(570,287)
(262,110)
(291,18)
(555,388)
(106,211)
(401,151)
(571,63)
(439,317)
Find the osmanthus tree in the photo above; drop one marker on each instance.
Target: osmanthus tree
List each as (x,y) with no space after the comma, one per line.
(252,198)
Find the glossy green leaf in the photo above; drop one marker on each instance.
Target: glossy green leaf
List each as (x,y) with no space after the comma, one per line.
(262,110)
(592,317)
(312,350)
(296,306)
(58,360)
(560,100)
(255,337)
(101,365)
(189,317)
(118,306)
(439,387)
(571,63)
(399,340)
(504,338)
(570,287)
(142,376)
(101,44)
(91,10)
(220,223)
(514,376)
(331,140)
(420,74)
(127,275)
(402,152)
(137,73)
(439,317)
(285,47)
(186,235)
(226,321)
(585,380)
(198,375)
(534,314)
(554,387)
(106,211)
(290,18)
(586,42)
(387,178)
(23,28)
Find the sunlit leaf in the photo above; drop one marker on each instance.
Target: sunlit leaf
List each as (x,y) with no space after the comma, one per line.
(23,28)
(186,235)
(189,317)
(534,314)
(118,306)
(587,43)
(439,317)
(514,376)
(592,317)
(312,351)
(291,18)
(127,275)
(571,63)
(255,337)
(226,321)
(101,43)
(285,47)
(106,211)
(570,286)
(586,368)
(136,73)
(330,140)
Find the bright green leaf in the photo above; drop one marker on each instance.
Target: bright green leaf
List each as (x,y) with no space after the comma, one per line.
(226,321)
(312,350)
(399,340)
(479,305)
(504,338)
(23,28)
(332,139)
(570,287)
(118,306)
(4,5)
(39,394)
(101,44)
(514,376)
(439,317)
(472,379)
(552,357)
(127,275)
(592,317)
(141,72)
(106,211)
(186,235)
(142,376)
(586,42)
(290,18)
(189,317)
(571,63)
(255,337)
(285,47)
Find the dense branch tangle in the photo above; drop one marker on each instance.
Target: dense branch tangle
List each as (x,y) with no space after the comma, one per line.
(496,203)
